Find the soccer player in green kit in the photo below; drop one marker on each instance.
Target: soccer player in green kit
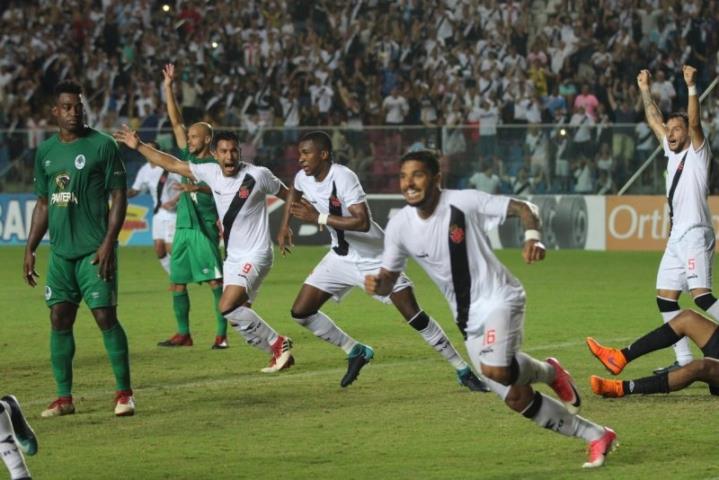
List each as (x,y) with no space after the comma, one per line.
(76,171)
(195,248)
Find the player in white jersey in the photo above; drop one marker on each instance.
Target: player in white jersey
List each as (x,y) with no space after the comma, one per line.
(239,190)
(16,438)
(445,232)
(689,254)
(330,194)
(162,186)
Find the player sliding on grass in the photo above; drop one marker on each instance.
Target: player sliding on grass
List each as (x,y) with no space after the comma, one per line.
(445,232)
(16,438)
(240,191)
(328,194)
(702,331)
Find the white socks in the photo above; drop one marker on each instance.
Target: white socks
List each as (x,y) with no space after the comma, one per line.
(256,331)
(434,335)
(323,327)
(9,451)
(532,370)
(552,415)
(165,262)
(681,349)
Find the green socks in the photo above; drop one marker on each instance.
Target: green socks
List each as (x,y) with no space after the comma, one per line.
(62,349)
(181,306)
(116,345)
(220,320)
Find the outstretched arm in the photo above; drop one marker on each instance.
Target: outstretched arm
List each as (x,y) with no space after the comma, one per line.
(156,157)
(173,111)
(528,213)
(695,124)
(654,116)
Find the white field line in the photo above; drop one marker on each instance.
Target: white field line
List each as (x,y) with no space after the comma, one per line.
(292,377)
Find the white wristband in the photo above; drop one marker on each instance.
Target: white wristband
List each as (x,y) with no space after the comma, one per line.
(322,218)
(532,235)
(693,91)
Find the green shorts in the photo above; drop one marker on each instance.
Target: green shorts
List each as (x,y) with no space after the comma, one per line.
(74,280)
(195,258)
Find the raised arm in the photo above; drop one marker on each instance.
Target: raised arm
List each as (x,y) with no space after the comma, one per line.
(173,111)
(695,124)
(651,111)
(156,157)
(528,213)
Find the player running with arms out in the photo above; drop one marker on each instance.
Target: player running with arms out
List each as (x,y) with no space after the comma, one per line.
(329,194)
(445,232)
(687,324)
(16,438)
(687,261)
(240,190)
(76,171)
(162,186)
(196,254)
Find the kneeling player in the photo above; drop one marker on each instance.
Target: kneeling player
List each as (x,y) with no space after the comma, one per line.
(702,331)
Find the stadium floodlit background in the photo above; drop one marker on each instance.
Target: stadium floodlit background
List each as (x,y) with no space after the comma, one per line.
(522,97)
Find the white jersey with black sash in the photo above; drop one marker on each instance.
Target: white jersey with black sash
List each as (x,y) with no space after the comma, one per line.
(338,191)
(453,248)
(241,205)
(689,197)
(159,183)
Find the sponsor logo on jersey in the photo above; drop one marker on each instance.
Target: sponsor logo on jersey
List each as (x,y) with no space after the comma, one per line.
(456,234)
(62,180)
(80,161)
(62,198)
(244,192)
(422,255)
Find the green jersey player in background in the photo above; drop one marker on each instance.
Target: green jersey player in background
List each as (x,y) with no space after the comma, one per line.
(195,251)
(76,171)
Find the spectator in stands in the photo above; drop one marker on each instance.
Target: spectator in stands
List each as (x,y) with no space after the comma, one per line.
(486,180)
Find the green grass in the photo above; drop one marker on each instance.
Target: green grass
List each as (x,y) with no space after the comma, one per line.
(211,414)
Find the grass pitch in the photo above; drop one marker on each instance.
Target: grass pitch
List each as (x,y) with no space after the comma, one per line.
(211,414)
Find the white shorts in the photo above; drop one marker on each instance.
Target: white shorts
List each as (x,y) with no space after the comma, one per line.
(499,339)
(687,261)
(163,225)
(337,275)
(248,272)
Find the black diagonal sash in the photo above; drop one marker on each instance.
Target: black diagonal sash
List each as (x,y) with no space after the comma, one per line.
(459,261)
(248,184)
(160,187)
(335,208)
(675,181)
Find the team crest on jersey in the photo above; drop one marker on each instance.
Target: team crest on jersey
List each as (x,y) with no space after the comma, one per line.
(80,161)
(335,202)
(244,192)
(62,180)
(456,234)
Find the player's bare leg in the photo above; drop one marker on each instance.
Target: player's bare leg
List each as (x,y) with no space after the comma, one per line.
(256,332)
(432,333)
(305,311)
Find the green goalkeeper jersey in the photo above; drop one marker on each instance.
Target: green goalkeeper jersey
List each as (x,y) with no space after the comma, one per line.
(195,209)
(77,178)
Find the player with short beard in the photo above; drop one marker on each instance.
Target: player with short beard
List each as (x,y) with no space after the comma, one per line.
(689,255)
(445,231)
(76,171)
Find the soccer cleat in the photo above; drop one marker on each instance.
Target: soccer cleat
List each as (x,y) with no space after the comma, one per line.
(220,343)
(600,448)
(467,378)
(612,358)
(359,356)
(124,403)
(564,387)
(281,355)
(177,340)
(61,406)
(24,435)
(667,369)
(607,387)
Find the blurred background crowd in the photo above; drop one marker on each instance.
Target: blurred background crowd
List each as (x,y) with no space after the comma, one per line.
(534,96)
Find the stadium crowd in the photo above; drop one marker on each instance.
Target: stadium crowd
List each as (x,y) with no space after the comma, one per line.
(521,96)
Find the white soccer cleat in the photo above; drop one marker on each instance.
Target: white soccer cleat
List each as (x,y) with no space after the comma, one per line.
(125,403)
(281,355)
(599,449)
